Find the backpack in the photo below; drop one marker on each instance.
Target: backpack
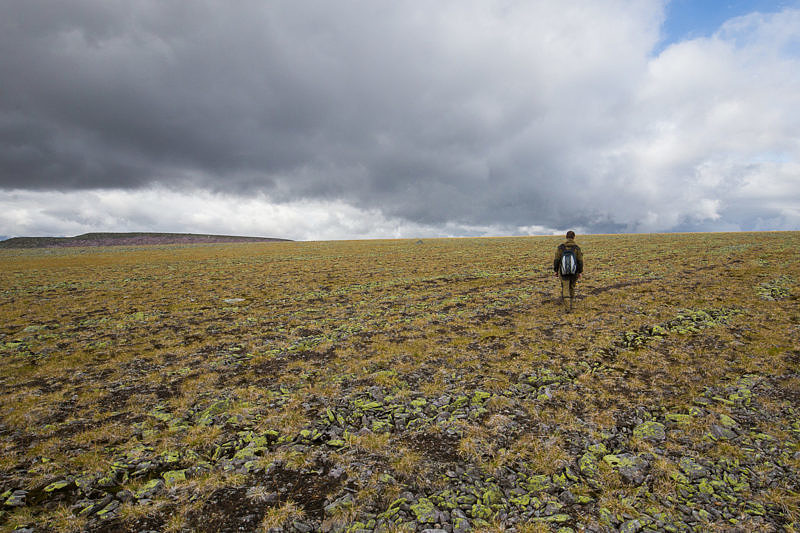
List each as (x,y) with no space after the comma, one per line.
(569,263)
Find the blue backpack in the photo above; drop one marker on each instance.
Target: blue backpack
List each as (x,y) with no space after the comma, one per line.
(569,263)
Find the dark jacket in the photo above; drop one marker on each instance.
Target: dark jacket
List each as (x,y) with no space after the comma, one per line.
(570,243)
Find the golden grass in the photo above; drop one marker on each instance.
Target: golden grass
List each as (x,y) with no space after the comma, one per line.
(90,333)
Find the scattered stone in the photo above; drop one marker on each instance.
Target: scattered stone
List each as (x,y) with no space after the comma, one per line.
(650,431)
(109,510)
(631,526)
(174,476)
(58,485)
(149,489)
(425,511)
(588,465)
(93,507)
(567,497)
(719,432)
(16,498)
(728,422)
(631,467)
(342,503)
(599,449)
(691,468)
(678,419)
(302,527)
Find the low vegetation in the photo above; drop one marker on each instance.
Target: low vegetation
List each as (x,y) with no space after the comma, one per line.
(402,386)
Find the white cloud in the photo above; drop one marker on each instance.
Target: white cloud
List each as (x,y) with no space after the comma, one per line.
(36,213)
(715,131)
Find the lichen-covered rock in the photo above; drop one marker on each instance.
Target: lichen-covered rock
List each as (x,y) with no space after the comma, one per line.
(588,465)
(492,496)
(206,417)
(424,511)
(93,507)
(58,485)
(678,419)
(149,489)
(719,432)
(651,431)
(632,468)
(480,396)
(631,526)
(16,498)
(539,483)
(173,477)
(344,502)
(460,522)
(691,468)
(466,500)
(480,511)
(598,449)
(109,511)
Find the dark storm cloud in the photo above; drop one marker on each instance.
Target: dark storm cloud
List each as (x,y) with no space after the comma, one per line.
(482,113)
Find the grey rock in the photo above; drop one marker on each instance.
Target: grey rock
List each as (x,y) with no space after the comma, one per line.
(442,400)
(302,527)
(109,511)
(466,499)
(17,499)
(96,506)
(691,468)
(552,508)
(631,526)
(651,431)
(336,472)
(567,497)
(722,433)
(376,394)
(634,468)
(344,501)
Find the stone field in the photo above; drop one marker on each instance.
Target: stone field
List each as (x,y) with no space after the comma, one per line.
(402,385)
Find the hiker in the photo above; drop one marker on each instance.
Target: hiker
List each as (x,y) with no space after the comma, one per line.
(568,265)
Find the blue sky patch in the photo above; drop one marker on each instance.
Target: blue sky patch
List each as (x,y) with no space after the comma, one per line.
(692,19)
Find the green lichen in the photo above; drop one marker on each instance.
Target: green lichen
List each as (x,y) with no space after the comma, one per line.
(588,465)
(173,477)
(652,431)
(425,511)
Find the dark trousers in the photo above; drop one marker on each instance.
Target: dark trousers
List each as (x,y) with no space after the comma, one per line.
(568,285)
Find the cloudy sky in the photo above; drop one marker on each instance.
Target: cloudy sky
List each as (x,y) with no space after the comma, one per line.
(386,118)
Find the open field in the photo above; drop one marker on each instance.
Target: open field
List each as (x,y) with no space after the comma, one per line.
(402,385)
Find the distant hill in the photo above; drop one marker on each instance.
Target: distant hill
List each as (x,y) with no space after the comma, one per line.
(127,239)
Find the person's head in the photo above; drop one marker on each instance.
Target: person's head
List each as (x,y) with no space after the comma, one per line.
(570,234)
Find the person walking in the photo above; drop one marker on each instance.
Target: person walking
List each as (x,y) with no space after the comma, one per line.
(568,265)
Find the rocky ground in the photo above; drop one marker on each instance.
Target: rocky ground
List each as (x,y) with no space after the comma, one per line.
(415,398)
